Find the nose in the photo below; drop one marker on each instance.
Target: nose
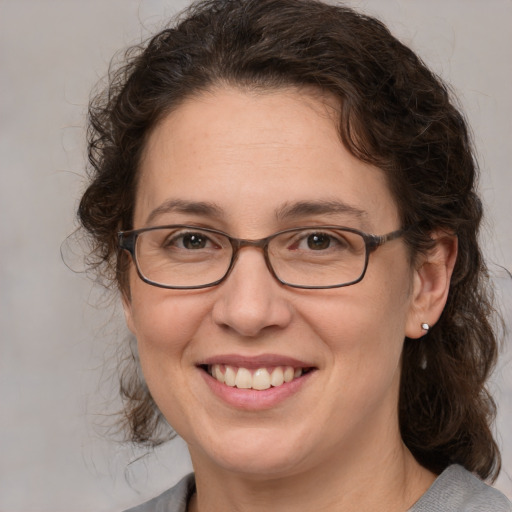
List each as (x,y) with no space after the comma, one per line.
(250,300)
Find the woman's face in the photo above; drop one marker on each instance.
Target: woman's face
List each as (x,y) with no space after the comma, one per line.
(250,165)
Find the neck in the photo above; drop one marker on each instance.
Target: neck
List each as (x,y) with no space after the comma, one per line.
(375,480)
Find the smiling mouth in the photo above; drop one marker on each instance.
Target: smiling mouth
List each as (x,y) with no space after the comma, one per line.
(259,379)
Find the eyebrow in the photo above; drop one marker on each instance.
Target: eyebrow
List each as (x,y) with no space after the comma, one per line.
(330,207)
(188,207)
(288,211)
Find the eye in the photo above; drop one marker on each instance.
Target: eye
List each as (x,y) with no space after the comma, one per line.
(319,241)
(190,241)
(194,241)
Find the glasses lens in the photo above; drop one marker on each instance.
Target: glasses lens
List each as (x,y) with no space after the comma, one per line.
(318,257)
(188,257)
(182,257)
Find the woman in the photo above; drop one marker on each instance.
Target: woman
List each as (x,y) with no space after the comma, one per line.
(285,196)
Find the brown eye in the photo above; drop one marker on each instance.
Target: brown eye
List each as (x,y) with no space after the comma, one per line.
(328,241)
(189,241)
(194,241)
(318,241)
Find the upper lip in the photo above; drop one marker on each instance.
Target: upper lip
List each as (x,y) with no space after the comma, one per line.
(255,362)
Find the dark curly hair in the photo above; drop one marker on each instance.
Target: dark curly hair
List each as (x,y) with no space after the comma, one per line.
(395,114)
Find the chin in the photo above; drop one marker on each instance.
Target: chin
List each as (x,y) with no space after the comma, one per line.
(254,453)
(260,466)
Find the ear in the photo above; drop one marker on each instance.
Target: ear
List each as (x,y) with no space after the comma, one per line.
(127,308)
(431,283)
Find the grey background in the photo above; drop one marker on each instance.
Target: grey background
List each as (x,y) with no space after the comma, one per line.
(57,329)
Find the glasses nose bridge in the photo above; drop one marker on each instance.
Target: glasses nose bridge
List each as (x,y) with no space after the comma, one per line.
(239,243)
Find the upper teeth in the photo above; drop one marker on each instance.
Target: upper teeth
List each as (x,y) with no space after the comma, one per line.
(260,379)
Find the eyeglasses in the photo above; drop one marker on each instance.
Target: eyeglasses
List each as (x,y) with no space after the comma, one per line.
(313,257)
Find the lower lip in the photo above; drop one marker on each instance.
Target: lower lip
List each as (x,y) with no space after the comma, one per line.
(252,399)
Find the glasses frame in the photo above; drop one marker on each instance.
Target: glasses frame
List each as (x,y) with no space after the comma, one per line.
(127,240)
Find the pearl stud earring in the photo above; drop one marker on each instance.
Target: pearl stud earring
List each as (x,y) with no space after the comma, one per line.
(425,327)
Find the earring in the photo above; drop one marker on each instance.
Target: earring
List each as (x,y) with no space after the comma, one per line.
(425,327)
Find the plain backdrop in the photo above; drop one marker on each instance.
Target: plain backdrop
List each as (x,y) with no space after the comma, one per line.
(59,333)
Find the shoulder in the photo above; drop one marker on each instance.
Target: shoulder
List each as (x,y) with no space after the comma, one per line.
(458,490)
(174,499)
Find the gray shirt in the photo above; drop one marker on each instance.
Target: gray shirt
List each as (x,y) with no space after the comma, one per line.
(454,490)
(458,490)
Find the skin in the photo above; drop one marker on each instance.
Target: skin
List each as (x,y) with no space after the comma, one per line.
(335,443)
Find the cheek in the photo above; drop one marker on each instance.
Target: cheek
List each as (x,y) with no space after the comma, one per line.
(366,314)
(165,326)
(165,321)
(363,327)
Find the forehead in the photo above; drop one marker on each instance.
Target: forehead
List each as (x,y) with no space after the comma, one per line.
(251,154)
